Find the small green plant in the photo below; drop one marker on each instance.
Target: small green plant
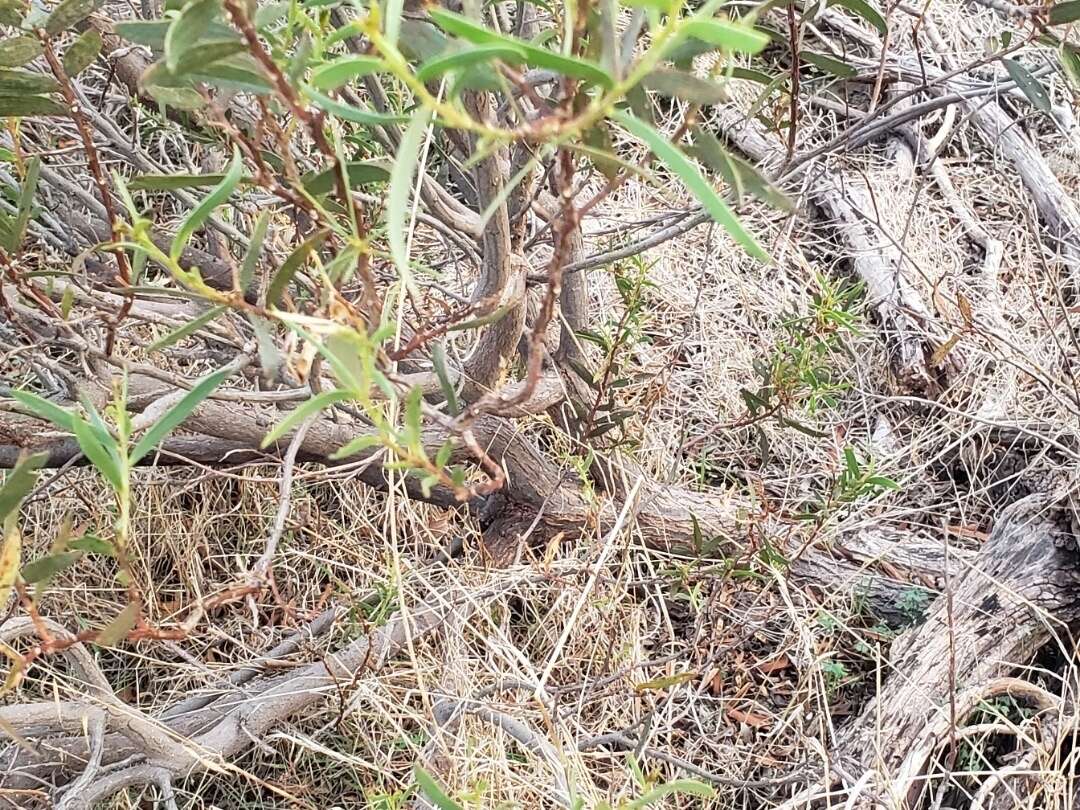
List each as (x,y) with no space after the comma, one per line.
(835,673)
(800,374)
(856,482)
(913,604)
(616,340)
(973,754)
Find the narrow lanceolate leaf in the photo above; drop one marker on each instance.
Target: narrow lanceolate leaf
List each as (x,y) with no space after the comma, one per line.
(1063,13)
(394,9)
(103,457)
(332,75)
(82,52)
(828,64)
(43,409)
(357,445)
(187,29)
(26,106)
(206,53)
(16,82)
(863,9)
(691,176)
(1070,62)
(1027,83)
(401,180)
(471,57)
(725,34)
(117,630)
(172,182)
(685,86)
(430,788)
(68,14)
(177,414)
(204,209)
(26,204)
(17,51)
(10,555)
(189,328)
(347,112)
(254,251)
(740,175)
(18,483)
(289,268)
(438,363)
(535,55)
(319,402)
(359,173)
(40,571)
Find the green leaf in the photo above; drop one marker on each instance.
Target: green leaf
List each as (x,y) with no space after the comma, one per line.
(16,82)
(1030,86)
(227,75)
(196,60)
(12,12)
(348,112)
(828,64)
(332,75)
(17,51)
(357,445)
(476,55)
(267,15)
(177,414)
(863,9)
(1063,13)
(421,41)
(883,482)
(438,363)
(285,274)
(43,409)
(116,630)
(68,14)
(688,786)
(204,209)
(400,192)
(180,98)
(26,204)
(172,182)
(93,544)
(678,163)
(737,173)
(319,402)
(187,29)
(150,33)
(749,74)
(732,36)
(430,788)
(102,456)
(254,250)
(18,483)
(392,15)
(685,86)
(1070,62)
(82,52)
(189,328)
(45,568)
(23,106)
(534,55)
(360,173)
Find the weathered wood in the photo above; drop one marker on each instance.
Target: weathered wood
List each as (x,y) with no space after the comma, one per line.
(1021,591)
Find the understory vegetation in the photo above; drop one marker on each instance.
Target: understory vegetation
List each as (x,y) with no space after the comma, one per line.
(600,405)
